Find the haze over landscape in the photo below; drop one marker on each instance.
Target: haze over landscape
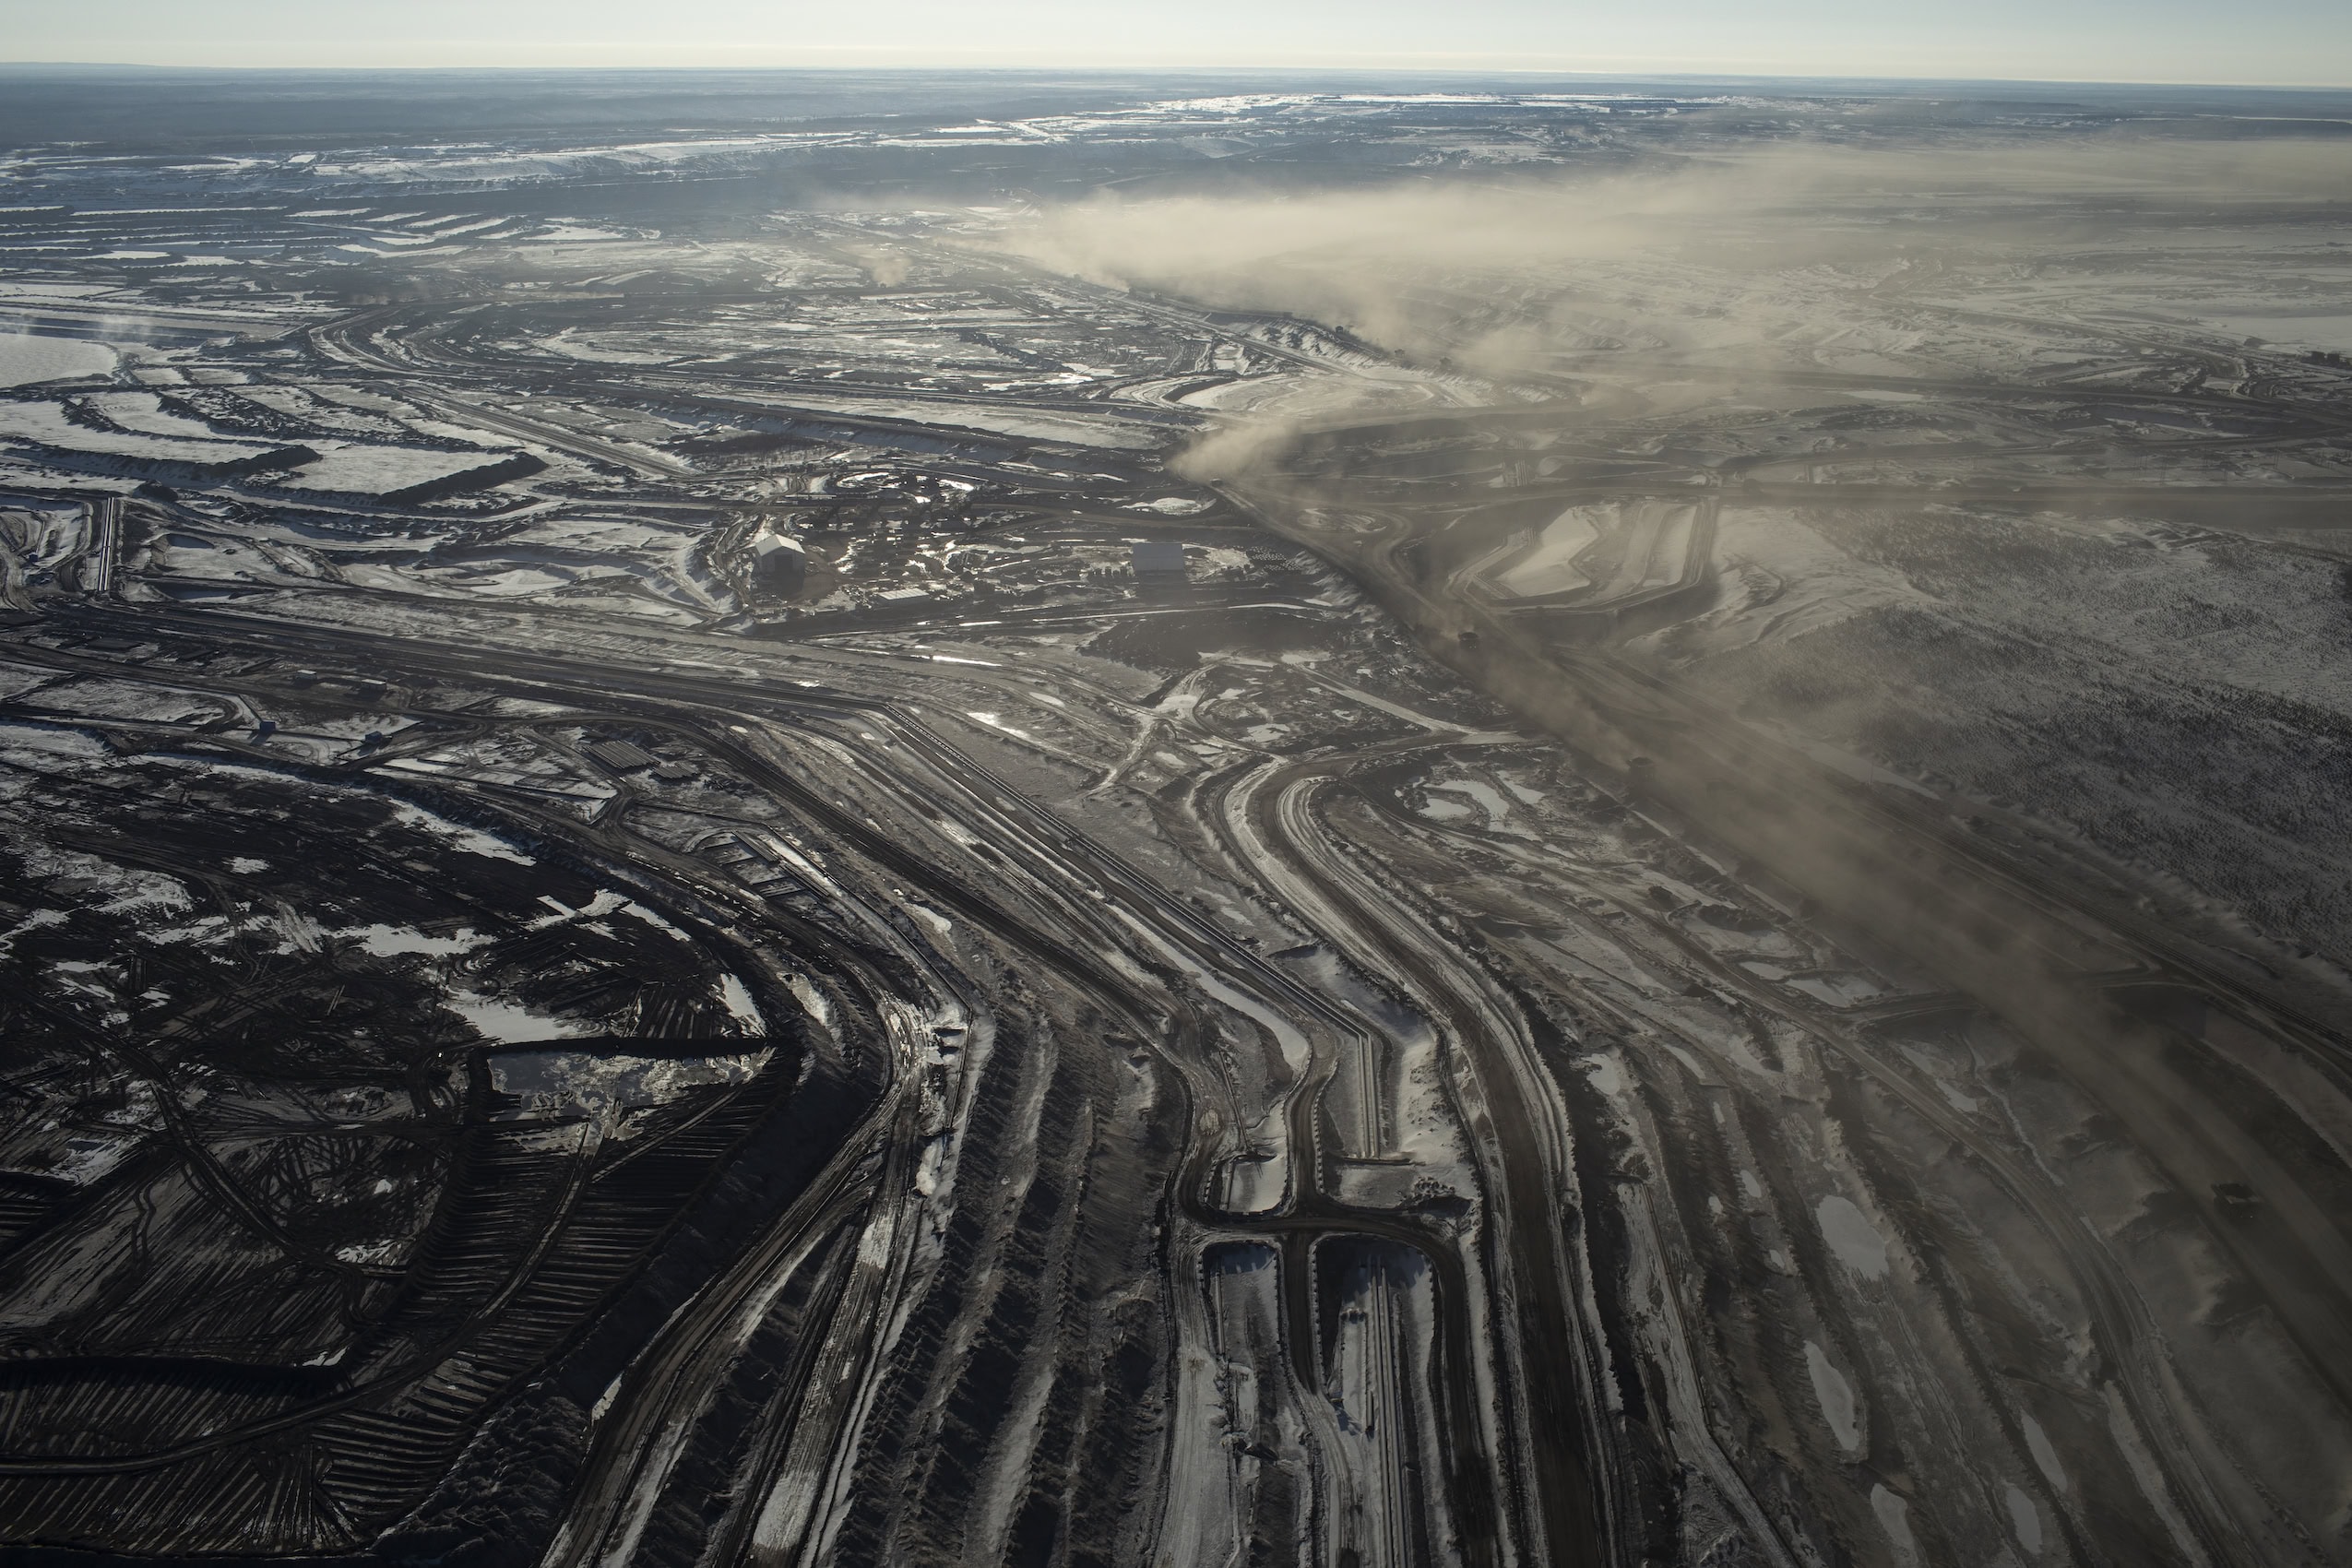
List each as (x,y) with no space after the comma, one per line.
(1292,784)
(2265,43)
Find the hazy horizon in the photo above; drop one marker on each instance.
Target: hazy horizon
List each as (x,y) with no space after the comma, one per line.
(2281,43)
(1408,72)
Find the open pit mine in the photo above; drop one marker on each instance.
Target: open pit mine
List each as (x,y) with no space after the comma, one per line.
(992,819)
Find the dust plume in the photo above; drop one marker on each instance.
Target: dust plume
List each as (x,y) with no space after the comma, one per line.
(1458,270)
(1232,451)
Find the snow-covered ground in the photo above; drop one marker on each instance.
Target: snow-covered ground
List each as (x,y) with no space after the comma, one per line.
(361,469)
(26,358)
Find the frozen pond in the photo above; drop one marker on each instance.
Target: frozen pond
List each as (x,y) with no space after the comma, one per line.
(26,358)
(2329,330)
(1550,566)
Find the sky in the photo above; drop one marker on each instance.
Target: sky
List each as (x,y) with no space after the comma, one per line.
(2297,43)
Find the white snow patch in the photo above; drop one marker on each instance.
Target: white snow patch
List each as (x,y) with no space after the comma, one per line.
(1835,1397)
(510,1024)
(1489,798)
(33,922)
(739,1001)
(358,468)
(572,1083)
(26,358)
(641,912)
(812,1001)
(472,840)
(1550,566)
(1606,1076)
(995,722)
(2026,1517)
(1894,1517)
(2045,1452)
(391,941)
(47,424)
(1852,1236)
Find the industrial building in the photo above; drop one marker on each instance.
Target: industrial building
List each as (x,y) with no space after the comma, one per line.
(1157,563)
(779,562)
